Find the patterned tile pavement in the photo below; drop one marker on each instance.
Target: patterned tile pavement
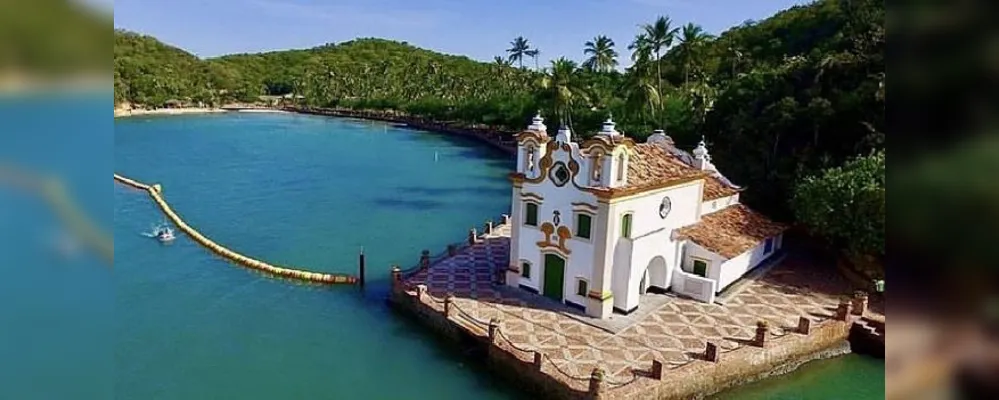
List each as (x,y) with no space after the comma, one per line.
(674,333)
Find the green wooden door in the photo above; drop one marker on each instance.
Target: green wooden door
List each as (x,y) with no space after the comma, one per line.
(554,276)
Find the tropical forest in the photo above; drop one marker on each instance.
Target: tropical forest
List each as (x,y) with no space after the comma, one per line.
(791,107)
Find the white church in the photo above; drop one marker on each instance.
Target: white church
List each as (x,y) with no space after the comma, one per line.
(596,224)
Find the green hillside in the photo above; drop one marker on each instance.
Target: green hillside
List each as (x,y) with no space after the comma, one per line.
(147,71)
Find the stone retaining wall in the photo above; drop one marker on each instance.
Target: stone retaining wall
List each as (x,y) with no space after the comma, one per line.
(511,368)
(750,364)
(698,379)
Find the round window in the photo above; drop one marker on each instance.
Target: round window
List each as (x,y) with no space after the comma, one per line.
(665,207)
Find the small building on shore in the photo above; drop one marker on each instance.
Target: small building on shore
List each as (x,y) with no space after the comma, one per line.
(598,224)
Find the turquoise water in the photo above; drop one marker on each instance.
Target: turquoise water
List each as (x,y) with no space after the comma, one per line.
(300,190)
(56,309)
(311,191)
(174,322)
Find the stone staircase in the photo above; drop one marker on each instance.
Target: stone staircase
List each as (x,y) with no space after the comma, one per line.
(867,336)
(872,327)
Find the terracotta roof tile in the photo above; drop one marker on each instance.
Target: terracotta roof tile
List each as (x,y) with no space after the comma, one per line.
(732,231)
(652,165)
(715,189)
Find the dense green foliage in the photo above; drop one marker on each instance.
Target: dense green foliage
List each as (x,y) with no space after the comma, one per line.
(847,204)
(52,37)
(147,71)
(776,100)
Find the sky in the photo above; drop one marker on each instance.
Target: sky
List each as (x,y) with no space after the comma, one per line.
(480,29)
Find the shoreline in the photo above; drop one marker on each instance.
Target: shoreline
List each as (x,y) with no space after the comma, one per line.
(124,113)
(495,137)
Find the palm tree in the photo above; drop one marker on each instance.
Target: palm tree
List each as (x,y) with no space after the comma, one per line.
(641,50)
(501,62)
(519,48)
(533,53)
(692,40)
(640,91)
(603,57)
(659,37)
(736,58)
(564,82)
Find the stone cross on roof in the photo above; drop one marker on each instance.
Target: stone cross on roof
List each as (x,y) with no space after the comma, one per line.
(538,124)
(701,151)
(608,127)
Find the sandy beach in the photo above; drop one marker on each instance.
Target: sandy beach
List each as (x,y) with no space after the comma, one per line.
(263,110)
(124,112)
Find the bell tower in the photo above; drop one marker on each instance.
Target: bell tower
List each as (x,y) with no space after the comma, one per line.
(531,147)
(616,161)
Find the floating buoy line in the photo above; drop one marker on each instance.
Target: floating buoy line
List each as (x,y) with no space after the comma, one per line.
(156,193)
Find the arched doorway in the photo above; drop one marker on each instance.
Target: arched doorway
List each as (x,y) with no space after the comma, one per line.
(553,285)
(657,272)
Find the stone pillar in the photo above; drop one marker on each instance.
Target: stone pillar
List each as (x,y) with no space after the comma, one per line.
(360,268)
(448,300)
(657,370)
(420,291)
(451,250)
(596,381)
(488,227)
(804,325)
(506,219)
(493,328)
(711,352)
(859,302)
(761,333)
(472,236)
(425,259)
(843,311)
(396,278)
(538,357)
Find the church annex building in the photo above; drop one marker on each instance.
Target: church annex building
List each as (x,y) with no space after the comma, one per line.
(597,224)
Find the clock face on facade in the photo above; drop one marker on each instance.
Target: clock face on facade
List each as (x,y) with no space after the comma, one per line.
(665,207)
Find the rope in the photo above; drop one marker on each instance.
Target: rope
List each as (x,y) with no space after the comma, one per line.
(614,384)
(468,316)
(434,299)
(729,350)
(568,375)
(676,365)
(513,345)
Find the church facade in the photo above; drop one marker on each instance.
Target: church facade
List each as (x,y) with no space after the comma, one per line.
(597,224)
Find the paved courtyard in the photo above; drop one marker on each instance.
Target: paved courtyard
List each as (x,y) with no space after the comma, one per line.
(674,332)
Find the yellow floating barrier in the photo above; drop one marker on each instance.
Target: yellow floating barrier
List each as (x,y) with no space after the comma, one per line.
(155,191)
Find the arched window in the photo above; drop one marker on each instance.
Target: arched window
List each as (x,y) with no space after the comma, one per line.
(529,159)
(597,166)
(621,167)
(626,226)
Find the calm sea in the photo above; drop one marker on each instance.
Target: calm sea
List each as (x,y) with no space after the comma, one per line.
(174,322)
